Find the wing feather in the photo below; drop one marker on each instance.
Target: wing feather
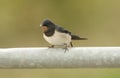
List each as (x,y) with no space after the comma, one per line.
(61,29)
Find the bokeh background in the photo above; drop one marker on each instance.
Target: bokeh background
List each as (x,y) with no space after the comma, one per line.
(98,20)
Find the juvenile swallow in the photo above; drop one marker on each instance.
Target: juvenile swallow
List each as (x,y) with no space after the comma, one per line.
(56,35)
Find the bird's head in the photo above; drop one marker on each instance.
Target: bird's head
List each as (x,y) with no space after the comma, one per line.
(47,26)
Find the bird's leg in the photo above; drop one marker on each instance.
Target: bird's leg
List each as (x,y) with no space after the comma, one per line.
(71,44)
(65,47)
(52,46)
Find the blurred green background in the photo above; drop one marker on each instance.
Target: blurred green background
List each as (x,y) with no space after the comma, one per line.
(98,20)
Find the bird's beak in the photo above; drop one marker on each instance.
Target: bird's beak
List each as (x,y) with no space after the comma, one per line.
(44,28)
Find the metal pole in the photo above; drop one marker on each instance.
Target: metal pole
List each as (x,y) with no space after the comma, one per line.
(77,57)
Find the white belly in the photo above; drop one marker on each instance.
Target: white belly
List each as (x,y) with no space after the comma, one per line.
(58,38)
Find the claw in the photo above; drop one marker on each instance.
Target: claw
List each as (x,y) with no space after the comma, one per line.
(52,46)
(66,48)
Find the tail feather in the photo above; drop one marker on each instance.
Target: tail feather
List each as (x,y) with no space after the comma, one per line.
(75,37)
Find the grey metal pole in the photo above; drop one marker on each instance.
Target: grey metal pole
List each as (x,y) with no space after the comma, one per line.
(77,57)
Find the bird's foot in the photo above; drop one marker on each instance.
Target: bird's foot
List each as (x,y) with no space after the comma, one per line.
(52,46)
(66,49)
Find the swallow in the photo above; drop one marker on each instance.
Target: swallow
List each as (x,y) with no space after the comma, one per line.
(57,35)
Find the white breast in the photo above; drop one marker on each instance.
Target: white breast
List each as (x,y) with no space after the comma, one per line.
(58,38)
